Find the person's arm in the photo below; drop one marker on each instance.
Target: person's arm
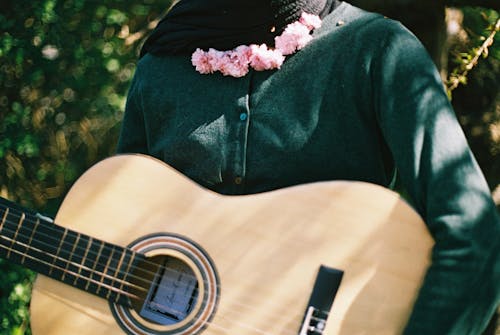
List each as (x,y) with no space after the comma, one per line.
(462,287)
(133,132)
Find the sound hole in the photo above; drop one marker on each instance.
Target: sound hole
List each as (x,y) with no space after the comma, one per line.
(172,291)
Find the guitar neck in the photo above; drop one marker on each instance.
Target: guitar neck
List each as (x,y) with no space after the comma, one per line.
(92,265)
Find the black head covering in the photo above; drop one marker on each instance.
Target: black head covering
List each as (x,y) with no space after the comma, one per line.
(226,24)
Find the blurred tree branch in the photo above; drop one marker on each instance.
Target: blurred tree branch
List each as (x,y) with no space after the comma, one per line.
(470,60)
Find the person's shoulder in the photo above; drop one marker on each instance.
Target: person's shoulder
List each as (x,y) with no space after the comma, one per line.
(363,24)
(151,67)
(148,61)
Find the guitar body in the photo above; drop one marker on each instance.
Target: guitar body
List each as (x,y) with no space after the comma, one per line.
(264,251)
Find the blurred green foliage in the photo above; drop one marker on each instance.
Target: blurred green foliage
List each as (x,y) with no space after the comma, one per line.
(65,66)
(481,36)
(474,63)
(15,286)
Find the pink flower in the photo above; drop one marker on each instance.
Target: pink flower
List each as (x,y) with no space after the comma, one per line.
(295,37)
(310,21)
(242,54)
(215,59)
(200,60)
(240,61)
(237,62)
(263,58)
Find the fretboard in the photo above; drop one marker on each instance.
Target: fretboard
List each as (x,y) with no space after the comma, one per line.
(95,266)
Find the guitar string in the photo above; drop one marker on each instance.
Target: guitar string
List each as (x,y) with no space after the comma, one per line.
(161,267)
(233,321)
(210,323)
(96,262)
(100,283)
(132,296)
(92,272)
(145,261)
(115,278)
(136,277)
(107,246)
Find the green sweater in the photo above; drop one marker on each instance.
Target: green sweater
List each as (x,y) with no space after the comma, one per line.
(362,99)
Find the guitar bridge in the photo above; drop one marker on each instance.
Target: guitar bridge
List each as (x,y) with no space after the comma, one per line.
(314,322)
(321,300)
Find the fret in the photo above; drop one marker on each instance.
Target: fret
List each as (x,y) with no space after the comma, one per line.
(78,269)
(47,265)
(4,217)
(121,263)
(82,261)
(63,253)
(33,259)
(33,231)
(14,239)
(43,239)
(123,284)
(85,263)
(95,264)
(118,267)
(30,241)
(105,272)
(4,237)
(72,253)
(56,256)
(98,265)
(7,236)
(16,230)
(129,266)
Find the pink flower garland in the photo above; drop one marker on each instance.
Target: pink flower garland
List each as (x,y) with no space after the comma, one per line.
(237,62)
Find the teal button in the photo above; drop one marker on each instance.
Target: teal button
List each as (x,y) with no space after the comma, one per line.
(243,116)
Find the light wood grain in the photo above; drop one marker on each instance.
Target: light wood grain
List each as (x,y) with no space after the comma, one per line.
(267,249)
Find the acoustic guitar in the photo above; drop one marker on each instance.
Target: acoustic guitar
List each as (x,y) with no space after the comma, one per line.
(137,248)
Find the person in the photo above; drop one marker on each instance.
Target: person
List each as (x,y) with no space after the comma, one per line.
(234,95)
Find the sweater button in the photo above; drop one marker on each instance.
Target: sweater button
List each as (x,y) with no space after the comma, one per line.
(243,116)
(238,180)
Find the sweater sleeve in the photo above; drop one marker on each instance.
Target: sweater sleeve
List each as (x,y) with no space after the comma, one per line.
(133,132)
(461,289)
